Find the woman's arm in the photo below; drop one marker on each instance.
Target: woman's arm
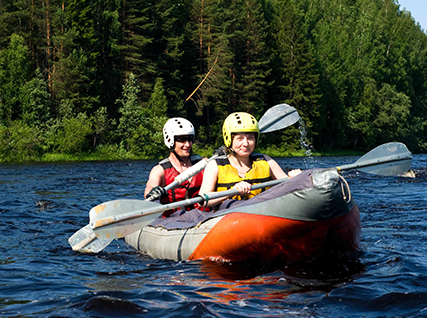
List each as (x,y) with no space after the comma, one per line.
(210,176)
(277,172)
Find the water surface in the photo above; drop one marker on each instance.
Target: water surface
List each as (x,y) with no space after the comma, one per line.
(42,205)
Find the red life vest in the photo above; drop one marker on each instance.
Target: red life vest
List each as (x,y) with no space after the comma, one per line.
(186,190)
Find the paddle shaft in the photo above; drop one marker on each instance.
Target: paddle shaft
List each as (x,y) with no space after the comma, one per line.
(161,208)
(374,162)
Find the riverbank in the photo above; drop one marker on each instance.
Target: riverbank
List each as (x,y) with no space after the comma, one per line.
(114,154)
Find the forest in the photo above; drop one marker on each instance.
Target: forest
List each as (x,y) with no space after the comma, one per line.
(100,78)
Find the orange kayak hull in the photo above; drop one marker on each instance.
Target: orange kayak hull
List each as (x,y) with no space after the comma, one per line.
(240,236)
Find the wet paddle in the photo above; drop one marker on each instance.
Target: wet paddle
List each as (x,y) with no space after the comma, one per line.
(275,118)
(85,240)
(114,219)
(389,159)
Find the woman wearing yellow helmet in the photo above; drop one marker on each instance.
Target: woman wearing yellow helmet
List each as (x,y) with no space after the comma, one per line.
(241,168)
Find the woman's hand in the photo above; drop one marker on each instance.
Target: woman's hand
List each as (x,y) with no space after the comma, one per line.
(294,173)
(243,187)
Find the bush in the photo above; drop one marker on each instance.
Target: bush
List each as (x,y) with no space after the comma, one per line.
(73,138)
(19,142)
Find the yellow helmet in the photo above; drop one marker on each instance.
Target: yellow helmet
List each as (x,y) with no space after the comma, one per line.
(238,123)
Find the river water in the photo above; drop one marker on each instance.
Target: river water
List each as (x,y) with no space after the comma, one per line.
(42,205)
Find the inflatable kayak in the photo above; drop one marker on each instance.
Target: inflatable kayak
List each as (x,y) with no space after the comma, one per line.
(292,221)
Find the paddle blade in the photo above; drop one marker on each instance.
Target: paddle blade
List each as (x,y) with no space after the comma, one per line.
(85,240)
(389,159)
(278,117)
(109,220)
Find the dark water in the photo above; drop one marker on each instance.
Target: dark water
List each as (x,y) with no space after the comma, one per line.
(41,205)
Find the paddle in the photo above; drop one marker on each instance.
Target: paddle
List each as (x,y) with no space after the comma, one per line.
(389,159)
(85,240)
(116,224)
(275,118)
(114,219)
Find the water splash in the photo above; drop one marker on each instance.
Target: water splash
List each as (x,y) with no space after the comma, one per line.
(306,146)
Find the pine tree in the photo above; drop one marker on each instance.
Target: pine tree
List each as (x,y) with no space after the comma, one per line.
(245,29)
(108,70)
(298,79)
(210,93)
(157,104)
(14,73)
(329,25)
(75,83)
(36,102)
(148,138)
(130,110)
(76,86)
(137,47)
(171,20)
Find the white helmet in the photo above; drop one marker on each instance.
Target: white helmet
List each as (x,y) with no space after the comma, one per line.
(176,126)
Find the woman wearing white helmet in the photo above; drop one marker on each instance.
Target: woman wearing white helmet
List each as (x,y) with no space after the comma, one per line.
(241,168)
(179,135)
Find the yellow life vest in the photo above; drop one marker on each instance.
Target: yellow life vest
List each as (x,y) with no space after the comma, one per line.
(228,175)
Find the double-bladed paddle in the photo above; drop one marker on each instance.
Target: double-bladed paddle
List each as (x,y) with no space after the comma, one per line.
(85,240)
(116,219)
(275,118)
(389,159)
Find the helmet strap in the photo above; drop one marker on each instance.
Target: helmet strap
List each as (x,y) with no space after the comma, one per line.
(232,151)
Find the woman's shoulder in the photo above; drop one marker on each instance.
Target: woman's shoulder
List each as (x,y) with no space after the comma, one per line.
(259,156)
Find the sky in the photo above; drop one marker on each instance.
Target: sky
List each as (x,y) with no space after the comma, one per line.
(418,9)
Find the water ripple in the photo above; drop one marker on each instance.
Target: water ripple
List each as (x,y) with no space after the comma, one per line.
(41,205)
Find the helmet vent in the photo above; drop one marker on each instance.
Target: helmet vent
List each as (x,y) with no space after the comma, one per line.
(177,127)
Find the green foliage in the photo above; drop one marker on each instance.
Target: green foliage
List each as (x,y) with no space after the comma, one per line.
(147,140)
(36,102)
(359,117)
(171,18)
(210,102)
(392,115)
(158,104)
(14,72)
(141,128)
(71,137)
(137,43)
(101,124)
(76,85)
(130,109)
(19,142)
(297,79)
(100,78)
